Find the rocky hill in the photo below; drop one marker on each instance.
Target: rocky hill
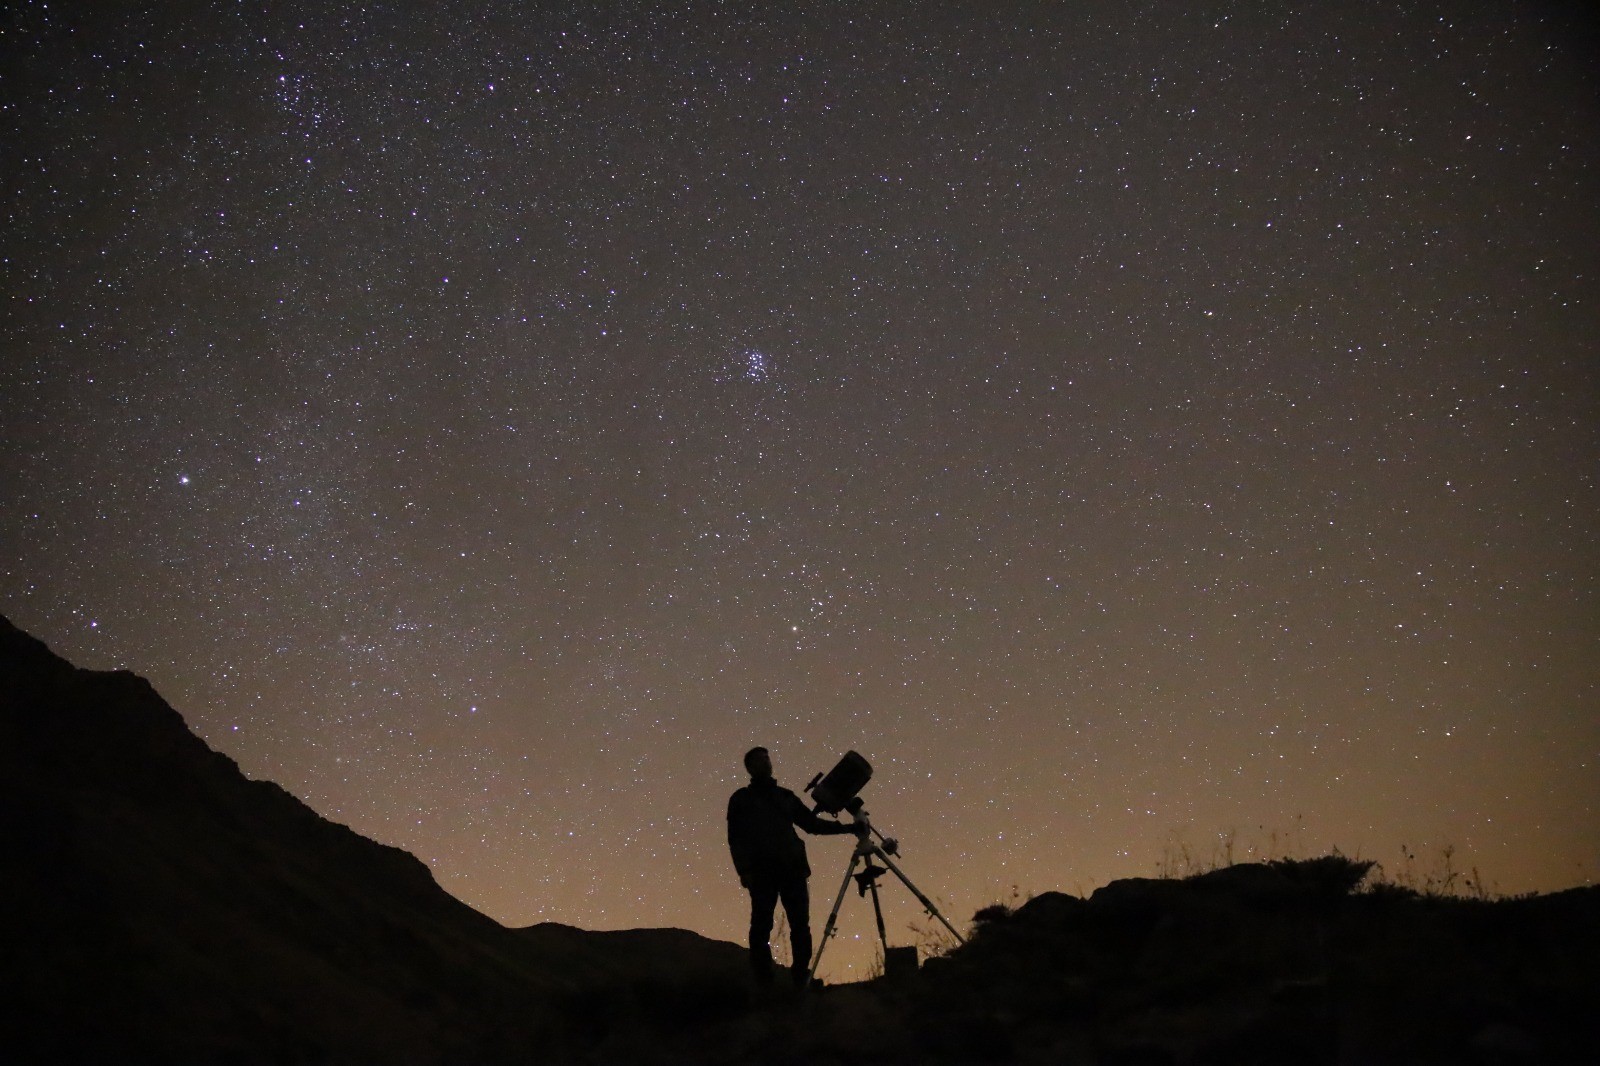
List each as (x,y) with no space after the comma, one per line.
(1275,962)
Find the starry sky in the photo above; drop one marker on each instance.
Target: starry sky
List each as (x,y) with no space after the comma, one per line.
(1149,433)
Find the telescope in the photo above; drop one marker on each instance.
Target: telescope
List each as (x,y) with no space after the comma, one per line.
(837,792)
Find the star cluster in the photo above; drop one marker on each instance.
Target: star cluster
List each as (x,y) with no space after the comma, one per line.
(1143,433)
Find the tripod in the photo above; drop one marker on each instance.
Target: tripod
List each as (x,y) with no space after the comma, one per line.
(867,881)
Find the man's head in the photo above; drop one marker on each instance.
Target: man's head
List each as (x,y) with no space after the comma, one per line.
(759,763)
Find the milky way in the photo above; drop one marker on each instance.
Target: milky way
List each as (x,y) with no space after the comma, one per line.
(1150,434)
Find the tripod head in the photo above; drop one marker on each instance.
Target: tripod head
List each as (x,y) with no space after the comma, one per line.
(860,817)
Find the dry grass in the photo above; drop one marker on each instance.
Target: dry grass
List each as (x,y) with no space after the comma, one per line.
(1443,876)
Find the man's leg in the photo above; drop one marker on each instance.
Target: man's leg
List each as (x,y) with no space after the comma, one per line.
(763,899)
(797,906)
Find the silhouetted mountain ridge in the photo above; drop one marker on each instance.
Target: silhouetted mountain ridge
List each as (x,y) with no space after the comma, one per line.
(159,905)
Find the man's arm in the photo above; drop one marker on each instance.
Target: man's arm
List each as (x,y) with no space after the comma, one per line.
(811,822)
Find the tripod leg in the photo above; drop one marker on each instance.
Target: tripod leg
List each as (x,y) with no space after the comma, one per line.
(877,909)
(833,917)
(927,904)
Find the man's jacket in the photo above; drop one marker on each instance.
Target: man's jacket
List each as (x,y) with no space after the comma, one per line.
(761,821)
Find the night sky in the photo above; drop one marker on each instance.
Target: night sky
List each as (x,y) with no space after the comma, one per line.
(1131,426)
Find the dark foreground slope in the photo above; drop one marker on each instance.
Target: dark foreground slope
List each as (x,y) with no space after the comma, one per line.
(1276,962)
(1261,963)
(156,905)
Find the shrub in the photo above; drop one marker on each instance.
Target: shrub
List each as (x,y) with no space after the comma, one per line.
(1333,875)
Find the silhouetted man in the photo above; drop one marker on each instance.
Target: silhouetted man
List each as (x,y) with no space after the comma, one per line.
(771,860)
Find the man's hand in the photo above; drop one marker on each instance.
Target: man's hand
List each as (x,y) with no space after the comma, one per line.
(859,829)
